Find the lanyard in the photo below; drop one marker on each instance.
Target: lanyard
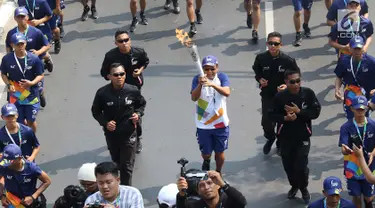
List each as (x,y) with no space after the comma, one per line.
(356,72)
(26,31)
(325,203)
(116,204)
(19,135)
(364,130)
(19,65)
(351,26)
(28,6)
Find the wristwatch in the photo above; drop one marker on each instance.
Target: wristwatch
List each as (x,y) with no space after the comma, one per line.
(225,187)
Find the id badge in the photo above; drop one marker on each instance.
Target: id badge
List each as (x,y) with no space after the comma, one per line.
(363,91)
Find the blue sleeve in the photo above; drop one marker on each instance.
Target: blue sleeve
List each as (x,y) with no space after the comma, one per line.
(38,66)
(370,29)
(33,138)
(333,33)
(194,84)
(344,136)
(339,68)
(224,79)
(41,38)
(7,40)
(47,9)
(35,169)
(3,66)
(332,13)
(2,171)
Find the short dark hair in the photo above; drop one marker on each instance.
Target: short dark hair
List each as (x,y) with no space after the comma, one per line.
(107,167)
(120,32)
(289,72)
(115,65)
(274,35)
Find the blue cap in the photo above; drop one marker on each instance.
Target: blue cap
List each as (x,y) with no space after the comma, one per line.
(18,38)
(9,109)
(357,42)
(209,61)
(356,1)
(359,102)
(21,11)
(11,152)
(332,185)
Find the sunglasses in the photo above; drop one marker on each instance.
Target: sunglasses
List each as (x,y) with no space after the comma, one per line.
(209,69)
(273,43)
(123,40)
(294,81)
(118,74)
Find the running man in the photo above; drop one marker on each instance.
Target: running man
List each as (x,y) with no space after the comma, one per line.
(253,16)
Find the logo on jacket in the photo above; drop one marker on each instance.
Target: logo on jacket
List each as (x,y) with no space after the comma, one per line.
(109,103)
(128,102)
(134,61)
(303,106)
(281,69)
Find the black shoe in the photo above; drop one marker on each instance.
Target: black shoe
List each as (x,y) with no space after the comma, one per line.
(292,193)
(307,31)
(85,13)
(94,13)
(57,46)
(139,146)
(193,31)
(62,32)
(206,165)
(255,36)
(134,24)
(167,4)
(176,8)
(279,151)
(43,102)
(267,147)
(199,17)
(249,21)
(305,195)
(144,20)
(49,65)
(298,40)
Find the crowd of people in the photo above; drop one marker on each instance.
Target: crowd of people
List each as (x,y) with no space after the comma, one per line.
(287,111)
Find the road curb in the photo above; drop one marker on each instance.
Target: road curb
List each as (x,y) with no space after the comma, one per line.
(6,23)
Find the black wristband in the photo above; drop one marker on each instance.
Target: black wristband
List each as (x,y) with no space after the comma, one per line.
(225,187)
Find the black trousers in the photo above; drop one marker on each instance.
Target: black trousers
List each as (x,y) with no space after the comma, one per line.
(267,124)
(139,129)
(122,150)
(294,156)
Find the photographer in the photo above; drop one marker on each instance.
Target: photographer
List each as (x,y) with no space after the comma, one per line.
(213,191)
(87,179)
(74,197)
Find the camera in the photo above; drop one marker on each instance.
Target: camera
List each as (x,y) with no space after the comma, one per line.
(74,196)
(95,205)
(192,176)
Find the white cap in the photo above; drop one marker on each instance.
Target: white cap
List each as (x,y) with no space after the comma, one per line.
(87,172)
(167,194)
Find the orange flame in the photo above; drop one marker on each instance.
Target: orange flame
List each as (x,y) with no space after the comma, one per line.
(183,37)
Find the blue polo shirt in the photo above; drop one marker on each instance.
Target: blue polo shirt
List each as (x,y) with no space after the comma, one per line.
(366,30)
(25,180)
(365,74)
(35,39)
(342,4)
(52,4)
(34,68)
(28,140)
(40,10)
(349,133)
(343,204)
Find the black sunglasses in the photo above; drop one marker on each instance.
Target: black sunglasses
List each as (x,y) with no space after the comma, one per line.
(209,69)
(294,81)
(123,40)
(273,43)
(118,74)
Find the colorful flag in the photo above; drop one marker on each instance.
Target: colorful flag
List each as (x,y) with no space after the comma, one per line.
(350,92)
(20,94)
(14,200)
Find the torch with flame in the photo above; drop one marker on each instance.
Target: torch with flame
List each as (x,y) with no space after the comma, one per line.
(183,37)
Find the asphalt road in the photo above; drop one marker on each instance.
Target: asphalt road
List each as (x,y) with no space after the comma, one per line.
(70,136)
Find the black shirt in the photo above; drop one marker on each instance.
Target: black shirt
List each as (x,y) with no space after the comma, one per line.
(272,69)
(118,105)
(231,198)
(136,59)
(301,127)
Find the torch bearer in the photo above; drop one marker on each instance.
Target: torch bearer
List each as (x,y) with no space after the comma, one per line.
(183,37)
